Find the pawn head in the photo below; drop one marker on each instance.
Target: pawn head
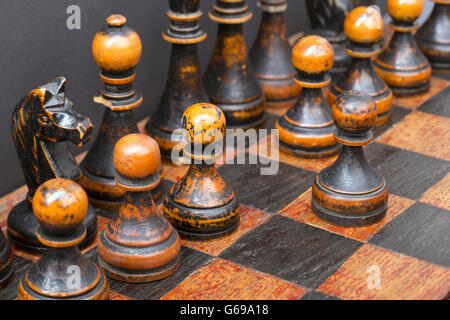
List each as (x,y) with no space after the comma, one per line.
(117,48)
(364,25)
(313,54)
(60,206)
(204,123)
(355,112)
(405,10)
(137,156)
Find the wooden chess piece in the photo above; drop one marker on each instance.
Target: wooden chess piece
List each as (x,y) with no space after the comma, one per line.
(184,86)
(363,27)
(351,192)
(117,50)
(434,36)
(6,268)
(402,65)
(201,205)
(230,81)
(60,206)
(271,57)
(306,130)
(139,244)
(41,125)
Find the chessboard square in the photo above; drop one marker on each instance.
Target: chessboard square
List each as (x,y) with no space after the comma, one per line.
(292,251)
(421,231)
(190,261)
(314,165)
(9,292)
(440,104)
(414,102)
(439,194)
(223,280)
(249,219)
(376,274)
(268,193)
(116,296)
(301,211)
(398,114)
(315,295)
(408,174)
(421,132)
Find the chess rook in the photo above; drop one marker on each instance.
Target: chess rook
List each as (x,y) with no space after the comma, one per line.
(363,27)
(351,192)
(41,125)
(60,206)
(230,81)
(270,56)
(201,205)
(402,65)
(434,36)
(6,268)
(117,50)
(184,86)
(306,130)
(139,244)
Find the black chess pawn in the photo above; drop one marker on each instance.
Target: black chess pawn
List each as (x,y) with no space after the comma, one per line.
(201,205)
(117,50)
(184,86)
(306,129)
(6,268)
(434,36)
(139,244)
(41,125)
(402,65)
(363,27)
(230,81)
(60,206)
(351,192)
(271,56)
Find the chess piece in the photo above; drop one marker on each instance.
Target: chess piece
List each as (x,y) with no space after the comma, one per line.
(270,56)
(402,65)
(139,244)
(434,36)
(306,130)
(117,50)
(41,125)
(201,205)
(363,27)
(351,192)
(184,85)
(229,80)
(6,268)
(60,205)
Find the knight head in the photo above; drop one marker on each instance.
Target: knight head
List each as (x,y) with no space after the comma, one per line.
(51,115)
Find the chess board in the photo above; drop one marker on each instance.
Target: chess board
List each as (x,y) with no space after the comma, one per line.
(282,250)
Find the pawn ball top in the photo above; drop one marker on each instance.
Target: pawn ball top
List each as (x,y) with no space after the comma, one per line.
(60,206)
(137,156)
(313,54)
(355,112)
(405,10)
(203,123)
(364,25)
(117,48)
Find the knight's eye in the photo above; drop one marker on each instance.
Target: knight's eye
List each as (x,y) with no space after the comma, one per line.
(45,120)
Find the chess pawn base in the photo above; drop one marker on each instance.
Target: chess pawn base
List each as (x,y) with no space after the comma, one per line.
(245,115)
(6,268)
(276,90)
(22,226)
(355,197)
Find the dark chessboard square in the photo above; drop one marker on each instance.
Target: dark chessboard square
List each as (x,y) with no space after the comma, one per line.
(442,75)
(408,174)
(315,295)
(398,113)
(9,291)
(190,261)
(269,193)
(292,251)
(439,104)
(422,231)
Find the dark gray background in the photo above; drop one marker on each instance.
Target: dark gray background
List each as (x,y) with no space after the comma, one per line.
(36,47)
